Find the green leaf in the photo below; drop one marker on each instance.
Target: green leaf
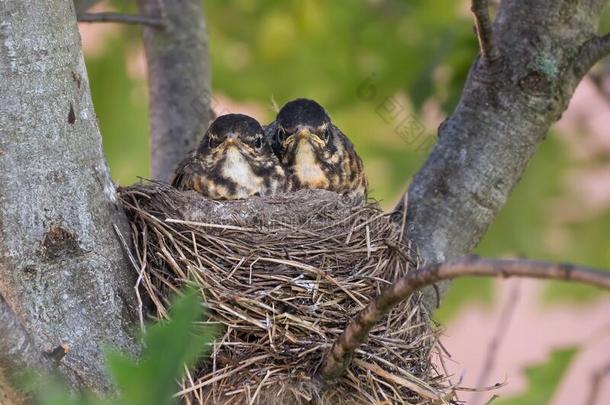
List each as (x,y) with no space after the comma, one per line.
(152,379)
(542,379)
(168,346)
(53,391)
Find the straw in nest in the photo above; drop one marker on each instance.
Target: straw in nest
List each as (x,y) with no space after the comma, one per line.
(283,276)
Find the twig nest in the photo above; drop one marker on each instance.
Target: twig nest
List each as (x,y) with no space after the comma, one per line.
(283,276)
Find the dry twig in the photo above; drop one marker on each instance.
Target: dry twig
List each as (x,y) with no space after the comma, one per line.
(504,322)
(480,10)
(596,384)
(339,356)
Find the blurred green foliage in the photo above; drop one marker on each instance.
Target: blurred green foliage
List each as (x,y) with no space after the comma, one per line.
(542,380)
(355,58)
(153,378)
(123,100)
(325,49)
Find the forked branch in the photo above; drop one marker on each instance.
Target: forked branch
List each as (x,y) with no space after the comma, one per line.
(482,20)
(590,53)
(339,357)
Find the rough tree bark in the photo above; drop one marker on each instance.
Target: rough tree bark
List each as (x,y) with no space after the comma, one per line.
(17,354)
(508,104)
(63,277)
(178,80)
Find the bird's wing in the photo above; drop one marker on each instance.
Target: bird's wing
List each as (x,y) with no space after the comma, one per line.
(354,167)
(189,174)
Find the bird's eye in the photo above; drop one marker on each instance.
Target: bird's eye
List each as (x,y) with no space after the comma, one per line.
(326,135)
(211,142)
(281,134)
(258,142)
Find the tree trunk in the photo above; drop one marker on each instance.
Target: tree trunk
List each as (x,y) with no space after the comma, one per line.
(506,109)
(178,81)
(63,277)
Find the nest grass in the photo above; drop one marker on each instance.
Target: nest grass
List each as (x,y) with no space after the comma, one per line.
(283,276)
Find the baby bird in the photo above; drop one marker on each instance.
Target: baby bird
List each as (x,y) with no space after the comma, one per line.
(314,152)
(233,161)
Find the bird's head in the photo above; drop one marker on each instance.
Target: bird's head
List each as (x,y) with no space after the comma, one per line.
(237,131)
(303,123)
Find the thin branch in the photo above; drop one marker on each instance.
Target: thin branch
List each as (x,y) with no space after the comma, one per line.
(138,270)
(599,80)
(590,53)
(339,356)
(121,18)
(84,5)
(504,322)
(596,381)
(480,10)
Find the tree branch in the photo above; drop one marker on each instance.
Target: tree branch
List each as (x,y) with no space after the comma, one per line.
(484,147)
(83,5)
(480,10)
(596,381)
(121,18)
(590,53)
(600,81)
(504,321)
(339,356)
(178,79)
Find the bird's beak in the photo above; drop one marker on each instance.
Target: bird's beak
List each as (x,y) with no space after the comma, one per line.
(296,138)
(231,139)
(303,134)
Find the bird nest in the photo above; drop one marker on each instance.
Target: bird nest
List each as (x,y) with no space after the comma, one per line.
(284,276)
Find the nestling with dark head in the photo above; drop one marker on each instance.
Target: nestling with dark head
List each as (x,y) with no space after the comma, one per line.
(314,152)
(233,161)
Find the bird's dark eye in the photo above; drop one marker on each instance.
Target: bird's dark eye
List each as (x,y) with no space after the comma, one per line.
(326,135)
(211,142)
(258,142)
(281,134)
